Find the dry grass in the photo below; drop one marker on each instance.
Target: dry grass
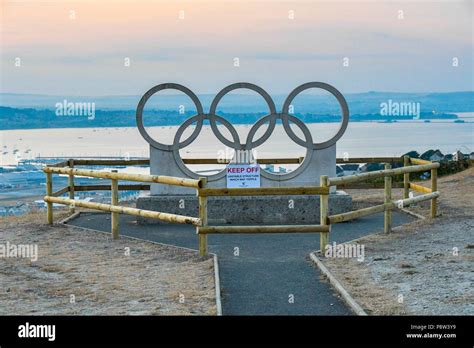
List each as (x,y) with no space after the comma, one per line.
(419,260)
(152,280)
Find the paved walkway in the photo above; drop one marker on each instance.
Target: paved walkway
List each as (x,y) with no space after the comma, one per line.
(270,268)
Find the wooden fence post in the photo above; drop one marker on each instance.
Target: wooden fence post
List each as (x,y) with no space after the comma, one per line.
(114,216)
(49,192)
(71,185)
(202,200)
(406,178)
(388,199)
(434,188)
(324,212)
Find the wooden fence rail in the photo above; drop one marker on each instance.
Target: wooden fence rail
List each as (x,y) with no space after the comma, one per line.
(419,188)
(334,219)
(160,179)
(418,199)
(173,218)
(382,173)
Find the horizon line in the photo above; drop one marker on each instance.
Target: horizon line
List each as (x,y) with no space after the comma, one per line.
(204,94)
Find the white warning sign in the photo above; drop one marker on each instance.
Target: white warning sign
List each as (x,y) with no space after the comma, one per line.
(243,175)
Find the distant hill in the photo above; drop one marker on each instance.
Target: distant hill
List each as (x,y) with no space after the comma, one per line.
(15,118)
(18,111)
(360,103)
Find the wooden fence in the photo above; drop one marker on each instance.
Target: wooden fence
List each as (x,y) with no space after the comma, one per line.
(411,165)
(114,208)
(204,230)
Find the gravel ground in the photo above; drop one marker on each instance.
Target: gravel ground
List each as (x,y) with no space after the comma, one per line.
(151,280)
(422,268)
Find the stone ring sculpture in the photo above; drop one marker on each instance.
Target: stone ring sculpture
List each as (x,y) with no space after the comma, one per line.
(235,143)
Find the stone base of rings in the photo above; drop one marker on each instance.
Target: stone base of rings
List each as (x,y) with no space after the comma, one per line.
(266,210)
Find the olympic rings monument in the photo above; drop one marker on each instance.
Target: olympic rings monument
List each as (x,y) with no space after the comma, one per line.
(320,159)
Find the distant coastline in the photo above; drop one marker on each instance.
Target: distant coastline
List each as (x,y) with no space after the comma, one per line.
(13,118)
(25,111)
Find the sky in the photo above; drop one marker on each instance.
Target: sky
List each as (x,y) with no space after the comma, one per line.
(98,48)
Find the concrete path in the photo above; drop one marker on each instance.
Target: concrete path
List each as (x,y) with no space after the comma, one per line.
(270,269)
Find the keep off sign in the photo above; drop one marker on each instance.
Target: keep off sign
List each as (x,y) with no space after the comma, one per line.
(243,175)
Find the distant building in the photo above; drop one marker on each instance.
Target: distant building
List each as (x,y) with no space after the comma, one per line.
(374,166)
(350,169)
(364,168)
(471,156)
(412,154)
(458,156)
(448,157)
(432,155)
